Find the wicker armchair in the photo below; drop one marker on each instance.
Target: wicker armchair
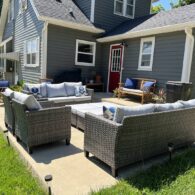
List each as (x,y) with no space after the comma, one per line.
(48,125)
(9,115)
(139,137)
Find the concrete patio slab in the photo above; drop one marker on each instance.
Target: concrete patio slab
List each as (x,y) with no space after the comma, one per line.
(73,174)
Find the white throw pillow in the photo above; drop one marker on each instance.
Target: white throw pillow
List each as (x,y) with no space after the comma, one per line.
(80,91)
(56,90)
(121,112)
(9,93)
(29,100)
(70,88)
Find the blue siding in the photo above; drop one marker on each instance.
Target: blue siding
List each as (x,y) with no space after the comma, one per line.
(27,26)
(62,49)
(168,58)
(85,6)
(9,28)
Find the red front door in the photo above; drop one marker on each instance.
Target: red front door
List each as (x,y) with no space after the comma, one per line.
(116,63)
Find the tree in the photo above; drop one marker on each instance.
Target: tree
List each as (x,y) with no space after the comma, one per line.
(157,8)
(181,3)
(1,3)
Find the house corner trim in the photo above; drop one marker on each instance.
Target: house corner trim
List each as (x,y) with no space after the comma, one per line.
(44,46)
(92,16)
(188,54)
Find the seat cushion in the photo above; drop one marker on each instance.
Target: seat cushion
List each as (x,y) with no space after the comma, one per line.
(29,100)
(56,90)
(168,107)
(124,111)
(70,99)
(188,104)
(133,90)
(9,93)
(70,87)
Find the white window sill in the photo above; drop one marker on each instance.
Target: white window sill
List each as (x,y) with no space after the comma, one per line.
(31,65)
(118,14)
(144,69)
(84,64)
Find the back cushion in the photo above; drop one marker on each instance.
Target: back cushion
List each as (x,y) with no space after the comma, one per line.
(56,90)
(130,83)
(70,88)
(168,107)
(29,100)
(121,112)
(9,93)
(188,104)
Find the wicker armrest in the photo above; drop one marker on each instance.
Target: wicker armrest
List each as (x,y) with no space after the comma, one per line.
(100,131)
(90,92)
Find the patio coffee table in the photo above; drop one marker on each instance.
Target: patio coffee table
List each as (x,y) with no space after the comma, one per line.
(79,110)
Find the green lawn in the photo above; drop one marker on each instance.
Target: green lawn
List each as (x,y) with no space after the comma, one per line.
(175,178)
(15,178)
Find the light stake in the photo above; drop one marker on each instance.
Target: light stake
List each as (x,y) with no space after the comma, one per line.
(6,134)
(48,179)
(170,149)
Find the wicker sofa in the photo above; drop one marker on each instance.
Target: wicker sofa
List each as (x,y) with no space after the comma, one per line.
(43,126)
(9,118)
(137,137)
(59,100)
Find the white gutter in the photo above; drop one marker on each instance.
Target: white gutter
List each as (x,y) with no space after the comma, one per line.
(188,54)
(3,18)
(148,32)
(92,11)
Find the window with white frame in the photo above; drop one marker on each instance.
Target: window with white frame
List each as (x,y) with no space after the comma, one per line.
(146,53)
(124,8)
(22,6)
(31,52)
(11,11)
(85,53)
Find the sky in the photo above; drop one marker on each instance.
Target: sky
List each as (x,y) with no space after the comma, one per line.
(166,3)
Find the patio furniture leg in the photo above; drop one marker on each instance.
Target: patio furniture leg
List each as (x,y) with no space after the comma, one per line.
(17,138)
(142,102)
(86,154)
(29,150)
(114,172)
(67,142)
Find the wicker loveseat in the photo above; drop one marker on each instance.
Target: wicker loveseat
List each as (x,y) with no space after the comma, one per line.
(138,137)
(42,126)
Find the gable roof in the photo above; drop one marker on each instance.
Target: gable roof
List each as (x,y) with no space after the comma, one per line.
(64,13)
(165,21)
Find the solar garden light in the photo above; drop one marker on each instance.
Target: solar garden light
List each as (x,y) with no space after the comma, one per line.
(48,179)
(170,149)
(6,134)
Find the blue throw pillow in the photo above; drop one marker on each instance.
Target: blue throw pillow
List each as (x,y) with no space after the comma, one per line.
(109,112)
(130,83)
(147,86)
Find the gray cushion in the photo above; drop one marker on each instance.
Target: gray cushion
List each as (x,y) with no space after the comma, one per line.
(29,100)
(70,99)
(168,107)
(9,93)
(121,112)
(56,90)
(70,88)
(188,104)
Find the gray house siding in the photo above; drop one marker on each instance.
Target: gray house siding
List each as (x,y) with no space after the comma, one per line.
(142,8)
(27,26)
(106,19)
(62,48)
(192,77)
(9,28)
(85,6)
(168,58)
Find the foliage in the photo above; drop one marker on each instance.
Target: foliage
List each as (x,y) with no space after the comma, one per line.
(14,176)
(18,87)
(175,177)
(181,3)
(1,3)
(160,97)
(116,92)
(157,8)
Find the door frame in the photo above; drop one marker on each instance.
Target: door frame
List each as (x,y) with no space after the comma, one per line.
(122,61)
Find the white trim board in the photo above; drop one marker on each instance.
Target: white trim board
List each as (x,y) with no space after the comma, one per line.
(149,32)
(92,16)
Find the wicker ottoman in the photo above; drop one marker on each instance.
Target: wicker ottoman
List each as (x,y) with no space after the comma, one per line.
(79,110)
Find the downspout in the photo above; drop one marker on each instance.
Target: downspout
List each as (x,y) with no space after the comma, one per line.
(188,54)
